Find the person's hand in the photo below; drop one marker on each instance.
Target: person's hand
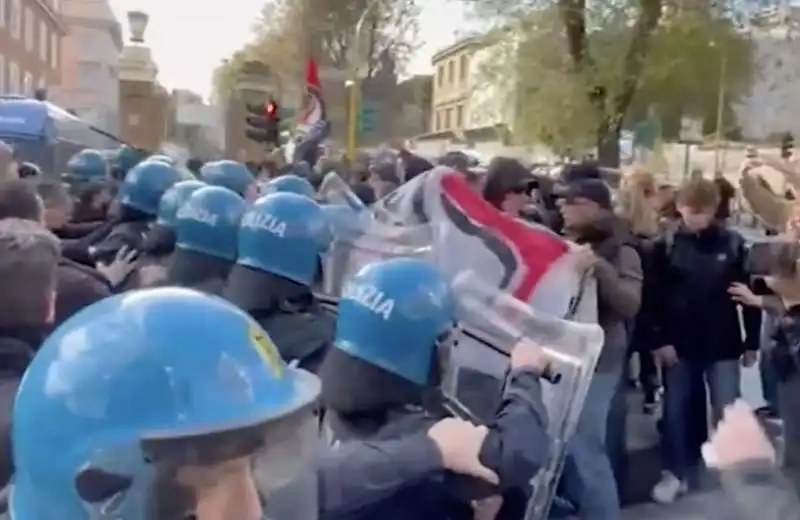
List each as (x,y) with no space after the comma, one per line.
(738,438)
(118,270)
(749,164)
(585,258)
(527,354)
(741,293)
(460,444)
(666,356)
(749,358)
(487,508)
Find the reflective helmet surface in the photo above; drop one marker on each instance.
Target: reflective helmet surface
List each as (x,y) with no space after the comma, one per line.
(229,174)
(284,234)
(391,315)
(166,159)
(145,184)
(125,158)
(289,184)
(173,199)
(86,166)
(208,222)
(155,365)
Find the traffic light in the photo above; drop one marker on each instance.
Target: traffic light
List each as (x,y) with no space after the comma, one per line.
(787,145)
(263,123)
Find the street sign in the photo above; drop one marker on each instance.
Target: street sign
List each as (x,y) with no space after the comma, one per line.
(368,118)
(691,130)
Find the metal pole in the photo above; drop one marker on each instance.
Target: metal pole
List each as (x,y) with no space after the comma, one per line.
(355,83)
(723,67)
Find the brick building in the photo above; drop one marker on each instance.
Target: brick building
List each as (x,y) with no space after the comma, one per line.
(30,45)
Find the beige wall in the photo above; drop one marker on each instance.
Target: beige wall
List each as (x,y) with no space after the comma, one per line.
(451,91)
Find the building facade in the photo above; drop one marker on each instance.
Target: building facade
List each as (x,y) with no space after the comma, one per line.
(451,85)
(195,125)
(90,59)
(30,45)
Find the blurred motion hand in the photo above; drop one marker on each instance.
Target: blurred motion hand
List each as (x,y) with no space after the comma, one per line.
(738,438)
(118,270)
(585,259)
(741,293)
(460,444)
(527,354)
(666,356)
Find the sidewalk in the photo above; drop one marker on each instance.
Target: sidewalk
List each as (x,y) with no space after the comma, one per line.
(701,505)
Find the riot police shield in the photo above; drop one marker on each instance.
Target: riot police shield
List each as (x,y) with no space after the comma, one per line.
(496,322)
(334,190)
(371,241)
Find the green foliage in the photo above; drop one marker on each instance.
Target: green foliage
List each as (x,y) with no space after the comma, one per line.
(580,69)
(287,32)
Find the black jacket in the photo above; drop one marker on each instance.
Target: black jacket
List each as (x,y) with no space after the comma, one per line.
(78,286)
(17,347)
(690,274)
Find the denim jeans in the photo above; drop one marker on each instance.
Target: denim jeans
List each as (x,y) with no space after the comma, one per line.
(588,478)
(683,394)
(769,382)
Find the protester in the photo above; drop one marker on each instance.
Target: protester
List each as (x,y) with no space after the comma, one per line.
(29,255)
(638,206)
(693,266)
(383,179)
(508,185)
(610,251)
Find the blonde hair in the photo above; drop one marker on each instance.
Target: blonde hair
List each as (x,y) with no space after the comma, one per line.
(637,189)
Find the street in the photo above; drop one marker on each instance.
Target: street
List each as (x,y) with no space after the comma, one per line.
(709,502)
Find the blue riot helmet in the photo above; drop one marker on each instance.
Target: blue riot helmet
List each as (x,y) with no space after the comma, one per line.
(230,174)
(208,222)
(173,199)
(86,166)
(145,400)
(392,316)
(284,234)
(124,158)
(144,185)
(290,184)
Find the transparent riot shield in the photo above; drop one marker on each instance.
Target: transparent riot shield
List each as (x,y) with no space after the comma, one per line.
(373,241)
(495,323)
(334,190)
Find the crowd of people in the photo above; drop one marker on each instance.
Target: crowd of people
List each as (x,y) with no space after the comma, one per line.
(163,353)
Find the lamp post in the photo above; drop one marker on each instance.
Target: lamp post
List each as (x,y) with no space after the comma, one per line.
(354,80)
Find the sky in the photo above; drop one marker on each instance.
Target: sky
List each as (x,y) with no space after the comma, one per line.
(190,38)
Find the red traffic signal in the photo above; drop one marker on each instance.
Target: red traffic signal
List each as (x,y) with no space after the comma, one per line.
(272,109)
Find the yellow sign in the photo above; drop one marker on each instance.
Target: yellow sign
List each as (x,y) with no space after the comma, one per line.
(266,349)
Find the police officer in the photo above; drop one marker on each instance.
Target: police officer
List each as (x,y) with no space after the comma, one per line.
(138,199)
(232,175)
(206,231)
(87,175)
(280,242)
(123,159)
(159,243)
(127,414)
(289,183)
(394,338)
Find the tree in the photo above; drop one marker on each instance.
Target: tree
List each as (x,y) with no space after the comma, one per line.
(581,67)
(289,31)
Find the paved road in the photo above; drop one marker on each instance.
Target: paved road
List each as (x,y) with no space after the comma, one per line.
(701,505)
